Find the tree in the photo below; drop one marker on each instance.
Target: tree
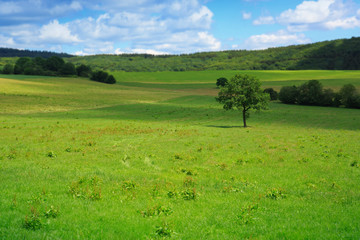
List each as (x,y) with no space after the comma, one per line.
(99,76)
(83,70)
(243,93)
(310,93)
(273,94)
(110,79)
(220,82)
(20,65)
(8,69)
(68,69)
(347,92)
(54,63)
(288,94)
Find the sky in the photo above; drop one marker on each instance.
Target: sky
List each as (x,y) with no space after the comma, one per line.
(172,27)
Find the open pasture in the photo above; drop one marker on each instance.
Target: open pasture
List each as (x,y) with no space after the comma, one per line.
(155,156)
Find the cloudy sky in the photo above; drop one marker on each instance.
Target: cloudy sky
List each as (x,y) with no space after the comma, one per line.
(172,26)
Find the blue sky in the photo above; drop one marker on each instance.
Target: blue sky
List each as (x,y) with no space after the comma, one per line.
(178,26)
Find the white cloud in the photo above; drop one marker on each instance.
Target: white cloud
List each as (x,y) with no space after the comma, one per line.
(153,26)
(277,39)
(264,20)
(351,22)
(246,15)
(321,14)
(57,33)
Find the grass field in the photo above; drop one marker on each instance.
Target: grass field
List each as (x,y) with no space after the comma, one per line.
(155,156)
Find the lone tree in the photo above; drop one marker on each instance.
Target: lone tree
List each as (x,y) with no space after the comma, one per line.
(243,93)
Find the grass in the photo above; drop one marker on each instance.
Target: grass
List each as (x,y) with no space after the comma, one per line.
(85,160)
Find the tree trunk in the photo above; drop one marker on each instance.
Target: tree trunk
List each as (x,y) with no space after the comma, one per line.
(244,117)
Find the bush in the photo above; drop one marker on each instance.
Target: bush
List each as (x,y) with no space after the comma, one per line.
(68,69)
(328,98)
(83,71)
(220,82)
(288,94)
(101,76)
(348,95)
(273,94)
(310,93)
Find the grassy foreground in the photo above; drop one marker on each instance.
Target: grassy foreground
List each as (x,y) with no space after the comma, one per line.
(155,156)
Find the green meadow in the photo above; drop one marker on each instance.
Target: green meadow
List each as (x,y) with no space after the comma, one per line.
(156,157)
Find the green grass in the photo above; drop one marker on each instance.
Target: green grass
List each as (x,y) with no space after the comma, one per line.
(101,161)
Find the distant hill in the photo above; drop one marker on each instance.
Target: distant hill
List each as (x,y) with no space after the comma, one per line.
(11,52)
(342,54)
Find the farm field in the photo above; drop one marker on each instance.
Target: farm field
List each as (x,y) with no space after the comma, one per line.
(154,156)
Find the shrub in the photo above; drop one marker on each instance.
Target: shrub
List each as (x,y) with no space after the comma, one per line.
(220,82)
(349,97)
(273,94)
(99,76)
(310,93)
(83,71)
(8,69)
(288,94)
(68,69)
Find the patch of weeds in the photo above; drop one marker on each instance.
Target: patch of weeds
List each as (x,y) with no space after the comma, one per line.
(52,212)
(155,191)
(246,214)
(12,154)
(51,154)
(242,161)
(304,160)
(33,221)
(222,166)
(128,185)
(188,172)
(172,194)
(90,143)
(355,164)
(189,194)
(189,182)
(86,188)
(157,211)
(276,193)
(177,157)
(164,230)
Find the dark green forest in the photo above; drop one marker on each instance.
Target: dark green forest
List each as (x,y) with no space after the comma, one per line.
(11,52)
(342,54)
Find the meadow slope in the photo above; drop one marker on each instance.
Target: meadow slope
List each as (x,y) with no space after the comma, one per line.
(154,156)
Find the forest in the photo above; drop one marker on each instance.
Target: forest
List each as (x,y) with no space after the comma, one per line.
(342,54)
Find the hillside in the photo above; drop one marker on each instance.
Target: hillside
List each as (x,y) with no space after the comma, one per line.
(10,52)
(343,54)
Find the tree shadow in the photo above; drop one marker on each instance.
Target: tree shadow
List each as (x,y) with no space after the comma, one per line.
(219,126)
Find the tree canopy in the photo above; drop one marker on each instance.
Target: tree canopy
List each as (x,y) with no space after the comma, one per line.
(243,92)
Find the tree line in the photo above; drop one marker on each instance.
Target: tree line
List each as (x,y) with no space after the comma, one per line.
(343,54)
(11,52)
(55,66)
(312,93)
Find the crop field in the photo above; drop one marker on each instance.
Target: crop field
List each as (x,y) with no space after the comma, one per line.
(155,156)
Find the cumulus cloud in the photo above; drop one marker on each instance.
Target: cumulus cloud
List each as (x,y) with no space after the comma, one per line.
(149,25)
(321,14)
(57,33)
(277,39)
